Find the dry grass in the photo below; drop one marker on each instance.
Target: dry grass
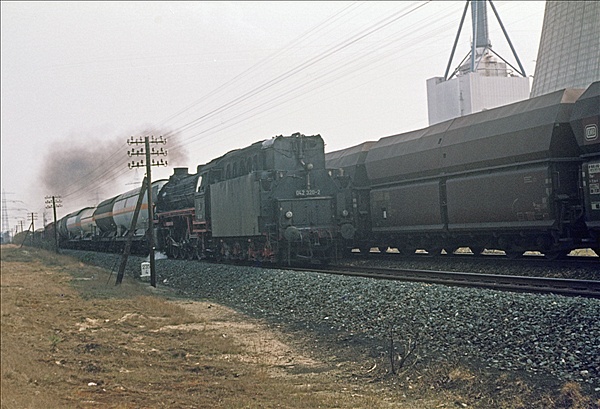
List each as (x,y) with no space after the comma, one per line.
(70,340)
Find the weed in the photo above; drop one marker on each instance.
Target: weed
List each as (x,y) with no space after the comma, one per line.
(55,339)
(571,397)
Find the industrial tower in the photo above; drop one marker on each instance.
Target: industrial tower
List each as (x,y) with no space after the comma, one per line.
(482,80)
(569,53)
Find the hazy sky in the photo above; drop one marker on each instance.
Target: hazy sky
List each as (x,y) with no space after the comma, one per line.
(80,78)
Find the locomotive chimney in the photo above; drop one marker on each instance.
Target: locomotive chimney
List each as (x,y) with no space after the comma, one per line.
(180,172)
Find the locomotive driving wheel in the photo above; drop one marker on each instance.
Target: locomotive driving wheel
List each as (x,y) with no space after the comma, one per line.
(198,252)
(190,252)
(175,252)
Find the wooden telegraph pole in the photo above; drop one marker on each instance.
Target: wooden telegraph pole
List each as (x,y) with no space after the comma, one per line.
(54,202)
(32,228)
(148,153)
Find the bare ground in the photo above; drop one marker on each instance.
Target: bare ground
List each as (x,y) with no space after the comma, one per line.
(71,339)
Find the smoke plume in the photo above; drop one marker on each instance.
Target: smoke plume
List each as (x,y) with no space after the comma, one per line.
(87,168)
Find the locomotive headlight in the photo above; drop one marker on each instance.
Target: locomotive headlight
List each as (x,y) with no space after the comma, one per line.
(345,213)
(289,214)
(309,166)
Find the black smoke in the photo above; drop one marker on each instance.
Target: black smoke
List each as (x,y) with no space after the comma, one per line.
(87,167)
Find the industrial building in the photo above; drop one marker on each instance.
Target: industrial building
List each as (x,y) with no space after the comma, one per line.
(569,53)
(568,57)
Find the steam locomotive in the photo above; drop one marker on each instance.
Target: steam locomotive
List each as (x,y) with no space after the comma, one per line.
(273,200)
(522,177)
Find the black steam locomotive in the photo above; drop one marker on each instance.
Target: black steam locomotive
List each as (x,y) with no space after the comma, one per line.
(273,200)
(521,177)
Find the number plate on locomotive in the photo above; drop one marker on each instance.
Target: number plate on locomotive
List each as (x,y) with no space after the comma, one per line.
(308,192)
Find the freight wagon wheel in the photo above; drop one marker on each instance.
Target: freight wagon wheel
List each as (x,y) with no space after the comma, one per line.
(411,251)
(347,251)
(452,250)
(556,255)
(513,254)
(434,251)
(476,250)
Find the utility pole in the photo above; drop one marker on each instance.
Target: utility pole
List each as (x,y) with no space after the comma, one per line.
(54,202)
(5,226)
(33,218)
(32,227)
(148,153)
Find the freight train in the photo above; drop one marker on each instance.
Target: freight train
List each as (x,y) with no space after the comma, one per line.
(271,201)
(522,177)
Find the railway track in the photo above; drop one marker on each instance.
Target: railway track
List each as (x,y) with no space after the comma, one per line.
(567,287)
(532,259)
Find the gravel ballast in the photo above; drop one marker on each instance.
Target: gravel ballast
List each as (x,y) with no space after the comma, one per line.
(542,334)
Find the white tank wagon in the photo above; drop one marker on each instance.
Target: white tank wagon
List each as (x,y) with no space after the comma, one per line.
(124,209)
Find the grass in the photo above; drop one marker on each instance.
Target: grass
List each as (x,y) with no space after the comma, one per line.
(71,339)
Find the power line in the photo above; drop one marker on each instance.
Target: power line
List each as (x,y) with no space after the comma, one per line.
(99,180)
(316,28)
(323,55)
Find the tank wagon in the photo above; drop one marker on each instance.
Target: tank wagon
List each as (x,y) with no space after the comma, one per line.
(509,178)
(105,226)
(273,200)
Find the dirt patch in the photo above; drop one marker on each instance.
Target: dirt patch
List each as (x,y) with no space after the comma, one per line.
(259,343)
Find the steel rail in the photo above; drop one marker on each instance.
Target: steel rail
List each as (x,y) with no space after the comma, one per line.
(495,258)
(562,286)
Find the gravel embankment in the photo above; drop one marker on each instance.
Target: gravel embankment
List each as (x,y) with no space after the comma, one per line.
(543,334)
